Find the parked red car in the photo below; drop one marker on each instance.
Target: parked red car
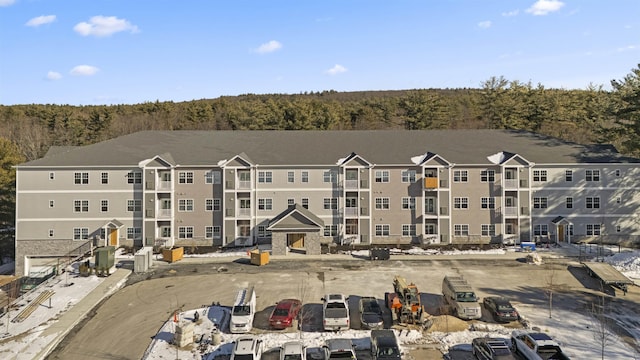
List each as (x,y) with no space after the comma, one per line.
(284,313)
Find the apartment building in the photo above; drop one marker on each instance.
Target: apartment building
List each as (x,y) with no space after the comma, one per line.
(302,189)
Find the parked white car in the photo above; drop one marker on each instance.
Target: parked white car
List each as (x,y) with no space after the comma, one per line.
(335,312)
(293,350)
(536,346)
(247,347)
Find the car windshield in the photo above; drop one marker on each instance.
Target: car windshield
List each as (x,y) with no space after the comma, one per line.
(387,351)
(335,305)
(466,297)
(280,312)
(341,355)
(241,310)
(502,351)
(371,308)
(505,308)
(244,357)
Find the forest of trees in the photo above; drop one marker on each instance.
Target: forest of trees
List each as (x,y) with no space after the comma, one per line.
(592,115)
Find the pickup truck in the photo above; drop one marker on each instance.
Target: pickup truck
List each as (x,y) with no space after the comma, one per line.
(536,346)
(335,312)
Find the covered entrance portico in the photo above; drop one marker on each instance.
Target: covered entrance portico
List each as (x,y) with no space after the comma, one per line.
(111,232)
(295,229)
(564,229)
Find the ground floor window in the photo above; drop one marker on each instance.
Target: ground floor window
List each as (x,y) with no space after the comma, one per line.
(593,229)
(133,233)
(541,230)
(382,230)
(461,230)
(430,229)
(185,232)
(488,230)
(80,233)
(408,230)
(331,230)
(351,227)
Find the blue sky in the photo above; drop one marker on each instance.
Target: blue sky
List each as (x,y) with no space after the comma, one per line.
(84,52)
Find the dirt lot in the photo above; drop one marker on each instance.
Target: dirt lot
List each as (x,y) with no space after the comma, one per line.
(122,327)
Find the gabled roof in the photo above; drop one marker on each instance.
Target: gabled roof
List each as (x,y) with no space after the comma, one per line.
(163,160)
(561,219)
(295,217)
(352,157)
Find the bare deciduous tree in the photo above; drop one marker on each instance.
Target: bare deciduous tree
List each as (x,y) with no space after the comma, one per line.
(601,325)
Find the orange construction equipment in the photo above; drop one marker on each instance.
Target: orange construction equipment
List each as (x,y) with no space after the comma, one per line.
(405,303)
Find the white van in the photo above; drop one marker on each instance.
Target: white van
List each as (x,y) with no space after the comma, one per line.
(243,311)
(461,298)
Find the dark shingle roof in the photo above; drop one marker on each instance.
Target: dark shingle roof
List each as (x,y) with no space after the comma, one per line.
(198,148)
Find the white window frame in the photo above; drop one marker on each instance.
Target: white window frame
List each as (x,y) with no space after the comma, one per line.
(329,176)
(382,176)
(461,203)
(208,204)
(408,203)
(80,206)
(592,175)
(382,203)
(461,230)
(208,232)
(408,176)
(291,177)
(104,205)
(216,232)
(568,175)
(430,229)
(408,230)
(382,230)
(304,176)
(568,202)
(330,230)
(134,177)
(488,229)
(265,204)
(488,203)
(592,202)
(217,204)
(185,205)
(134,233)
(134,205)
(539,175)
(185,232)
(305,203)
(291,202)
(80,233)
(81,178)
(104,178)
(52,175)
(541,230)
(541,202)
(51,233)
(460,176)
(52,203)
(185,177)
(593,229)
(265,177)
(330,203)
(487,176)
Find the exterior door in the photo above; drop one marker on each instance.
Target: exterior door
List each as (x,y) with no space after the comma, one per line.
(295,241)
(113,237)
(561,233)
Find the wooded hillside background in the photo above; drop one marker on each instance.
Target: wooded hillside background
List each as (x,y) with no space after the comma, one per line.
(592,115)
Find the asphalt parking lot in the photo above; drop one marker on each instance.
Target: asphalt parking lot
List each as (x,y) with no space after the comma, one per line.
(121,328)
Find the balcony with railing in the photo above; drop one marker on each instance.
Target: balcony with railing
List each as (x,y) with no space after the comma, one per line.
(510,184)
(244,212)
(351,184)
(350,211)
(164,185)
(164,213)
(244,185)
(510,211)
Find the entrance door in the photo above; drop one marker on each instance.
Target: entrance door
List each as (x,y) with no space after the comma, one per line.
(295,241)
(561,233)
(113,237)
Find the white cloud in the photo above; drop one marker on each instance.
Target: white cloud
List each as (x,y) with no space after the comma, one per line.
(484,24)
(7,2)
(336,69)
(84,70)
(54,75)
(627,48)
(271,46)
(511,13)
(104,26)
(41,20)
(543,7)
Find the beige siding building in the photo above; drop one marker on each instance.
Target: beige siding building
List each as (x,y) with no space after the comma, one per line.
(302,189)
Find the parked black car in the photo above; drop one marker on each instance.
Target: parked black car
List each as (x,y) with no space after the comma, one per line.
(384,345)
(500,308)
(491,349)
(370,313)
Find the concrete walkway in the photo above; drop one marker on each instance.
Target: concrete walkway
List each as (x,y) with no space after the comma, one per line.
(73,316)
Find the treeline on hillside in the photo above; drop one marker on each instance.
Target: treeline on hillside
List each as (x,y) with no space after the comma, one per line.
(575,115)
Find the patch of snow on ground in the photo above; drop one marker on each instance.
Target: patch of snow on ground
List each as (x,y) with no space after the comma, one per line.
(627,262)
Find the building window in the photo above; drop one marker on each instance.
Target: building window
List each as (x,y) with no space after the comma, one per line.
(265,204)
(80,233)
(592,175)
(568,175)
(617,172)
(50,232)
(165,231)
(460,176)
(487,176)
(216,204)
(265,177)
(382,176)
(330,203)
(215,232)
(185,177)
(305,203)
(51,203)
(488,230)
(539,202)
(593,229)
(330,230)
(430,229)
(104,205)
(569,202)
(539,175)
(81,206)
(408,203)
(619,200)
(329,177)
(593,202)
(461,230)
(461,203)
(208,232)
(134,177)
(244,176)
(488,203)
(208,204)
(134,205)
(213,177)
(408,230)
(104,178)
(134,233)
(185,232)
(541,230)
(408,176)
(185,205)
(382,203)
(382,230)
(81,178)
(291,177)
(291,202)
(618,229)
(52,176)
(304,177)
(262,231)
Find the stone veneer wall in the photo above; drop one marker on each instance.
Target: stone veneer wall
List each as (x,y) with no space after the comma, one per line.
(48,248)
(311,243)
